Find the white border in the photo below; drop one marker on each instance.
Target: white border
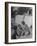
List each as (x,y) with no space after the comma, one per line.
(9,26)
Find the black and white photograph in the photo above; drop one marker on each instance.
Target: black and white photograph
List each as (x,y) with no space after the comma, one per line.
(21,22)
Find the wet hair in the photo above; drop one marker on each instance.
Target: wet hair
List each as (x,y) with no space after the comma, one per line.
(23,22)
(31,26)
(15,27)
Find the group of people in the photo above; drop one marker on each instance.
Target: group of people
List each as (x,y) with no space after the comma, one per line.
(19,26)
